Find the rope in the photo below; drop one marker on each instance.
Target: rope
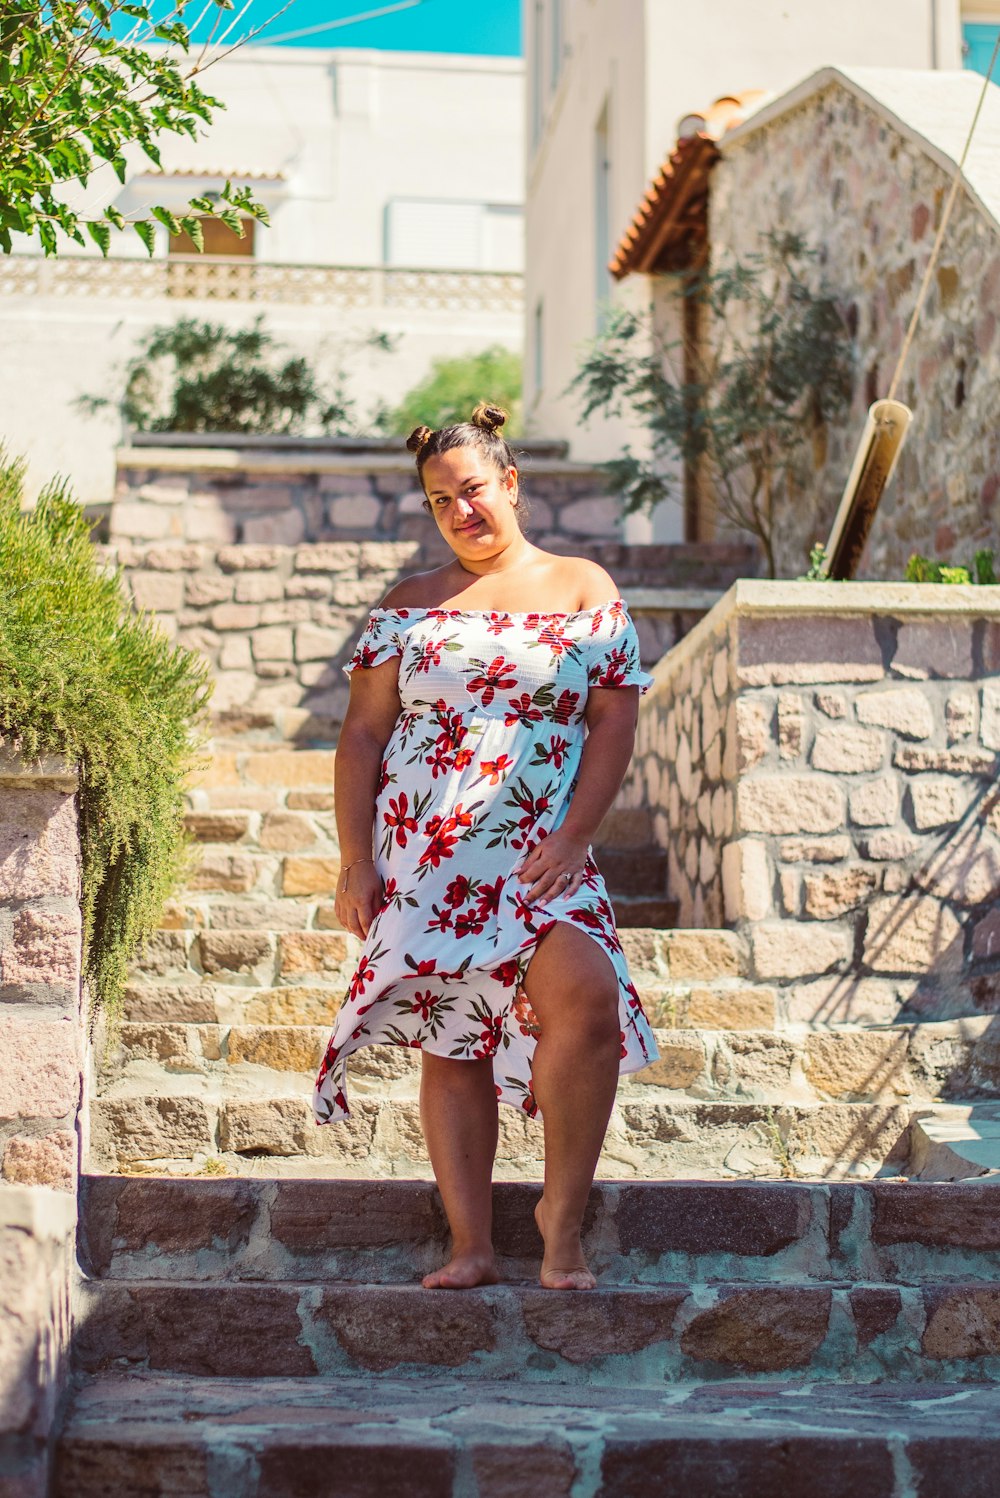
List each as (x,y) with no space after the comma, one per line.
(955,183)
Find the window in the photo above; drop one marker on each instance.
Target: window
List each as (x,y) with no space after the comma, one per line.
(538,350)
(219,239)
(438,234)
(602,216)
(978,42)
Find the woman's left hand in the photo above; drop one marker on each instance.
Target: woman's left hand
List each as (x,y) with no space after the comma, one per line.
(555,866)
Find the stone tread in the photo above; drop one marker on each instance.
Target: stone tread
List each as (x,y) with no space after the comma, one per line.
(850,1063)
(641,1232)
(644,1335)
(146,1436)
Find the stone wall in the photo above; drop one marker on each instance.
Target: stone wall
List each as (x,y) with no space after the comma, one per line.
(868,193)
(42,1064)
(277,622)
(821,761)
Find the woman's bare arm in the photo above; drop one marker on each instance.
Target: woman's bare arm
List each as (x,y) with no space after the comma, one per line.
(371,716)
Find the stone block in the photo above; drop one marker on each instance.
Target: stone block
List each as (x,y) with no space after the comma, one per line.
(704,954)
(681,1063)
(609,1324)
(141,522)
(591,517)
(236,872)
(789,803)
(959,761)
(965,871)
(892,846)
(963,1321)
(752,728)
(792,949)
(808,650)
(286,528)
(41,1160)
(378,1328)
(291,767)
(39,845)
(875,803)
(160,592)
(925,649)
(989,730)
(272,642)
(503,1470)
(286,832)
(831,704)
(846,999)
(40,1075)
(217,826)
(291,1048)
(292,1006)
(45,947)
(791,725)
(311,951)
(911,934)
(830,895)
(235,616)
(875,1309)
(814,849)
(358,511)
(149,1128)
(315,643)
(961,714)
(857,1065)
(746,879)
(762,1329)
(906,710)
(846,750)
(235,951)
(936,801)
(258,587)
(310,876)
(986,936)
(732,1009)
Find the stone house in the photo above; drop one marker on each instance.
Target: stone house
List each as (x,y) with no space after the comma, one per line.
(859,162)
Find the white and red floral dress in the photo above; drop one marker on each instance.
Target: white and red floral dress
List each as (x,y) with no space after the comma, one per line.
(481,764)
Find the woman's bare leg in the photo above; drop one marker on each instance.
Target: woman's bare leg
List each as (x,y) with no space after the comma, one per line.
(458,1110)
(573,990)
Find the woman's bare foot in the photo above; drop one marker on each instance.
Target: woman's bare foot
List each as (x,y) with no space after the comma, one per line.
(462,1271)
(563,1264)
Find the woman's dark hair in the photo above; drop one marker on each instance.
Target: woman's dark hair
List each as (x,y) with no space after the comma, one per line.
(481,431)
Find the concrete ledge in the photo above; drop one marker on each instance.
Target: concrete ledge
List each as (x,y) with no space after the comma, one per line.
(50,771)
(242,460)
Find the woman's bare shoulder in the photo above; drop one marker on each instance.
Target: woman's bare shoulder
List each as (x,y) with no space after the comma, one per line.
(592,584)
(419,590)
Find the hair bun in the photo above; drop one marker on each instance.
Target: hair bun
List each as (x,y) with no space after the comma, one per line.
(418,438)
(489,418)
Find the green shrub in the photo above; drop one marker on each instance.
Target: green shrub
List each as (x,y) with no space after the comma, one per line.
(455,387)
(923,570)
(84,676)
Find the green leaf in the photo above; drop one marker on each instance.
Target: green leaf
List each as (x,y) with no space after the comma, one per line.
(192,226)
(100,234)
(146,233)
(114,216)
(47,235)
(232,218)
(170,220)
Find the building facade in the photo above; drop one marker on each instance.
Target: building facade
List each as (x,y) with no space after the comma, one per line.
(608,83)
(394,185)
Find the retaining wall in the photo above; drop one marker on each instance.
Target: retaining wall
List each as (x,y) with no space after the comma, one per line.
(821,761)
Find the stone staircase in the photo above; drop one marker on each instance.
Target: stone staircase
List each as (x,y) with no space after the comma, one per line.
(269,1339)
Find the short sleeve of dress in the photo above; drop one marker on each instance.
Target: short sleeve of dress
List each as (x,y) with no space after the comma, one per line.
(613,650)
(378,643)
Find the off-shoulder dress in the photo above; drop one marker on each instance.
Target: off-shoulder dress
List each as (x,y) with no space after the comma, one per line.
(481,764)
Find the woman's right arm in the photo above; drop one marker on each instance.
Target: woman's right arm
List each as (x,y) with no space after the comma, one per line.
(371,716)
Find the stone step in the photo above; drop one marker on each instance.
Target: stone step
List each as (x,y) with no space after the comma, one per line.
(642,1336)
(641,1232)
(193,1123)
(947,1059)
(259,945)
(364,1437)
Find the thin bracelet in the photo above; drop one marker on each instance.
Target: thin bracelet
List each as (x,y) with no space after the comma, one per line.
(350,866)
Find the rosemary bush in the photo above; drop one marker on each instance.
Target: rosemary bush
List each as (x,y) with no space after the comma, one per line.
(84,676)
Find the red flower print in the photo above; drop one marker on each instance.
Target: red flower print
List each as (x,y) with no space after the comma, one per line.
(495,769)
(469,923)
(614,669)
(489,897)
(430,655)
(363,975)
(506,973)
(439,847)
(565,706)
(441,920)
(498,623)
(492,679)
(399,818)
(458,890)
(463,758)
(556,752)
(523,711)
(423,1004)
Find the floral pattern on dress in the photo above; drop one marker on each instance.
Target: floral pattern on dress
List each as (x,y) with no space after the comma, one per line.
(481,765)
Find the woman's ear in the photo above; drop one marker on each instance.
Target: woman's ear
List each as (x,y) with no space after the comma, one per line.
(510,483)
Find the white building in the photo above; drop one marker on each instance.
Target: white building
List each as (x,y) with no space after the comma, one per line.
(609,83)
(394,184)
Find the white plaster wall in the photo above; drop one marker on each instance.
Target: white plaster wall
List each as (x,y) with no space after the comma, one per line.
(348,130)
(663,59)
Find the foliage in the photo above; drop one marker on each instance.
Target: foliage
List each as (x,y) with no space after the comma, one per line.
(922,570)
(455,386)
(193,376)
(737,404)
(816,572)
(74,97)
(83,676)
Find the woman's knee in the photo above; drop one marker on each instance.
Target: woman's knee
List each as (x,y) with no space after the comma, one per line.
(585,1010)
(451,1074)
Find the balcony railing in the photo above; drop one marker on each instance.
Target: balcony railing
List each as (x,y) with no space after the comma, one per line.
(219,278)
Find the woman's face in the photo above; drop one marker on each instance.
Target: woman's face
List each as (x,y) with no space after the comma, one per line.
(472,502)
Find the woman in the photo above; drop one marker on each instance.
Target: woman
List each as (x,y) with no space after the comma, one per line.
(491,720)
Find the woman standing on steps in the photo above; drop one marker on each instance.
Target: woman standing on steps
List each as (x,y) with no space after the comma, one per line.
(491,720)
